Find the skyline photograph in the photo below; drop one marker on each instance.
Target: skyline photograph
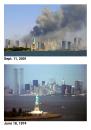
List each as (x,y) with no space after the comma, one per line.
(45,65)
(45,92)
(47,73)
(45,30)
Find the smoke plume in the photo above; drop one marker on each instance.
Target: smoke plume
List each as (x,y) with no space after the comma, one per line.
(68,20)
(72,16)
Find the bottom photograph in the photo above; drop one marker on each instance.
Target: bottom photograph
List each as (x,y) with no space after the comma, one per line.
(45,92)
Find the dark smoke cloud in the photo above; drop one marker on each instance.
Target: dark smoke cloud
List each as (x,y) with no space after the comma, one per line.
(49,21)
(67,22)
(73,16)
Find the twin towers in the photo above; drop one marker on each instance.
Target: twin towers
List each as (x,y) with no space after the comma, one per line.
(18,81)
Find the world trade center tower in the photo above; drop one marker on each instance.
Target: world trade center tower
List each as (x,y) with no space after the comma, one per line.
(18,81)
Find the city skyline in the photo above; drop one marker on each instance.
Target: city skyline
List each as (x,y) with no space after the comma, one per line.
(69,73)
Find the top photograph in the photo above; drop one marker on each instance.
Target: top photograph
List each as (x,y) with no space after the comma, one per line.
(45,30)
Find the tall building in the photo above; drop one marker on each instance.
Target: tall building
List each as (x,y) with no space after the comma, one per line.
(36,88)
(17,43)
(63,45)
(58,89)
(21,80)
(69,45)
(26,44)
(66,45)
(66,89)
(7,91)
(35,83)
(42,46)
(16,82)
(79,42)
(78,87)
(43,83)
(7,43)
(73,90)
(27,87)
(75,43)
(63,88)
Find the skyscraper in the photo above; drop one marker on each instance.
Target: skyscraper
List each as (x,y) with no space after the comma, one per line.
(21,80)
(17,43)
(69,45)
(78,87)
(43,83)
(63,45)
(35,83)
(27,87)
(7,43)
(63,87)
(16,82)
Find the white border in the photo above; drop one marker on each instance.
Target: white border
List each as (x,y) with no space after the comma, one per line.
(41,60)
(44,2)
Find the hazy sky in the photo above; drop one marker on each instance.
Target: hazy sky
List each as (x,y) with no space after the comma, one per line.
(19,19)
(46,72)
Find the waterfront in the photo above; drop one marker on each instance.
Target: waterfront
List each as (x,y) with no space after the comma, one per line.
(46,53)
(72,108)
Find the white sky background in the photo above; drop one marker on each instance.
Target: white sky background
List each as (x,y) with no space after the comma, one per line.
(47,60)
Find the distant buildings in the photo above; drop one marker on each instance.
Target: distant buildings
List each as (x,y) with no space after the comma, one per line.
(66,89)
(17,43)
(42,88)
(77,43)
(78,87)
(43,83)
(35,83)
(63,45)
(73,90)
(21,80)
(69,45)
(18,81)
(27,88)
(8,91)
(7,43)
(46,45)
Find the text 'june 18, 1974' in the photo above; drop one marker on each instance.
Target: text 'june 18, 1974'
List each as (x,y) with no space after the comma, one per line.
(15,123)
